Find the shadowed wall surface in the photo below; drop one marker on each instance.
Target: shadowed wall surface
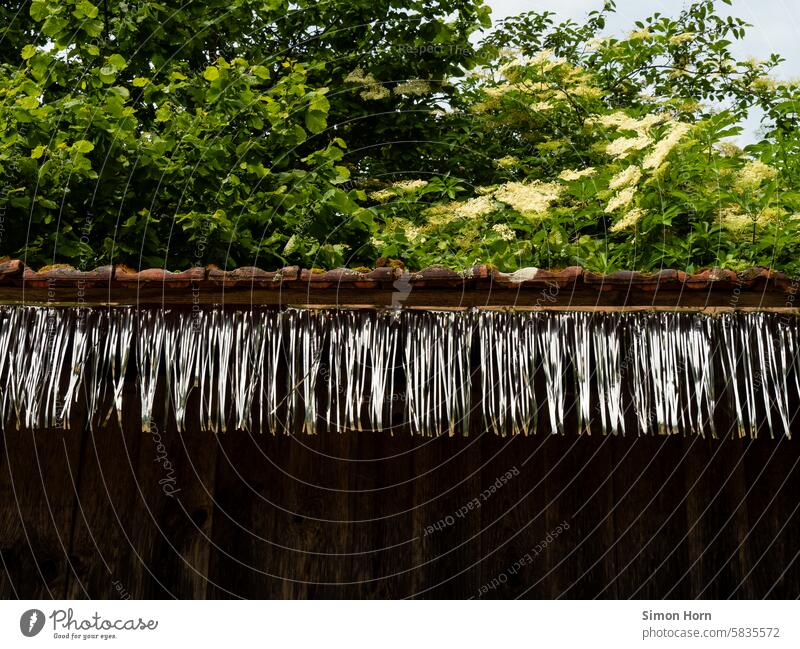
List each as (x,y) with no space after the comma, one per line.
(129,514)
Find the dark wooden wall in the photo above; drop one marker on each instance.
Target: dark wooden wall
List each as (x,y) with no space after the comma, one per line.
(86,514)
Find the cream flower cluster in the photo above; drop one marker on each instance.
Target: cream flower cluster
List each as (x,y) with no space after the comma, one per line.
(574,174)
(597,43)
(587,92)
(475,207)
(410,185)
(630,220)
(752,174)
(621,199)
(665,145)
(507,162)
(545,60)
(624,122)
(685,37)
(505,232)
(624,146)
(358,76)
(382,195)
(628,176)
(729,149)
(530,199)
(401,187)
(640,35)
(413,87)
(375,90)
(413,233)
(734,219)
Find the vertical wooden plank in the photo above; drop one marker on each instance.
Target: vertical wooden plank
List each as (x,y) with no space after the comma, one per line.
(281,515)
(582,558)
(649,488)
(513,516)
(382,535)
(771,468)
(176,474)
(36,511)
(716,504)
(144,510)
(448,559)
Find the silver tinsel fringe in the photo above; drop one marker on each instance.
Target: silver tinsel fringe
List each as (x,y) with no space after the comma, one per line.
(428,372)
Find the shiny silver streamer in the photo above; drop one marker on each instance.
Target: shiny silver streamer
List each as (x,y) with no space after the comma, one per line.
(8,327)
(580,353)
(366,370)
(19,324)
(361,365)
(268,344)
(216,346)
(304,330)
(553,346)
(607,347)
(509,359)
(121,325)
(699,377)
(182,361)
(149,350)
(244,368)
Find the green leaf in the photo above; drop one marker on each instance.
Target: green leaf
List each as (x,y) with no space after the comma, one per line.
(107,74)
(211,73)
(28,51)
(261,72)
(93,27)
(28,103)
(87,9)
(39,10)
(319,102)
(117,61)
(140,82)
(316,121)
(38,152)
(54,25)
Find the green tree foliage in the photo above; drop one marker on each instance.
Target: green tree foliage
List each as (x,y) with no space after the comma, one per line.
(331,133)
(571,147)
(136,132)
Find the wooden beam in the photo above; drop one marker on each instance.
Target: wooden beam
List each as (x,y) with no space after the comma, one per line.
(584,298)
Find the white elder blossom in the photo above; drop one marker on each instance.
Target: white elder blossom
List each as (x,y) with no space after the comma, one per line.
(530,199)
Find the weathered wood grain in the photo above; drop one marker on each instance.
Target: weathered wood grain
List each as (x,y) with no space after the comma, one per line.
(37,506)
(346,516)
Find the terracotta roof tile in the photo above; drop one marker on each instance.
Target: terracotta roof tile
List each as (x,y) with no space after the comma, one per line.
(480,277)
(159,276)
(440,276)
(251,276)
(10,269)
(712,277)
(538,277)
(62,274)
